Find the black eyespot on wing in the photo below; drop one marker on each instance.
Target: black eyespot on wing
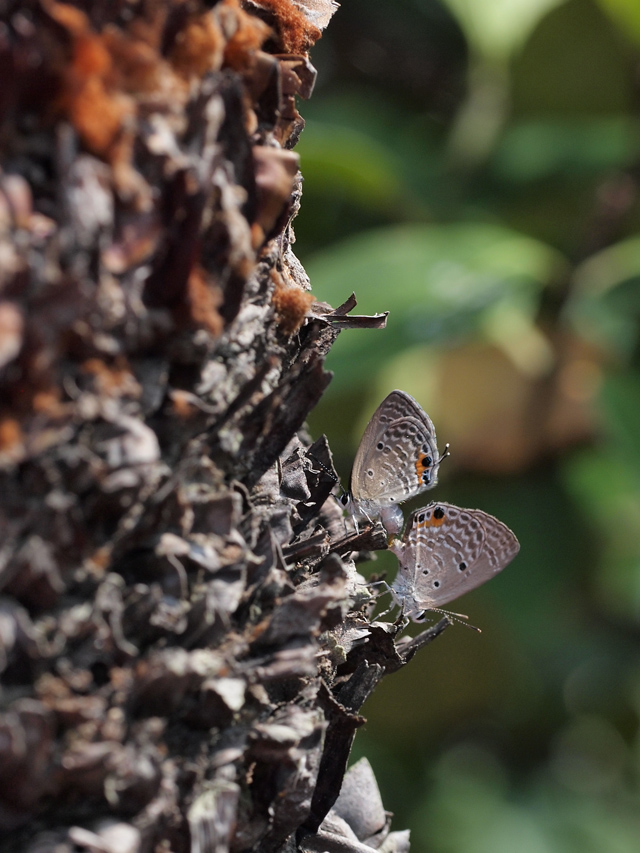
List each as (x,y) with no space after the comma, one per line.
(427,461)
(436,584)
(462,567)
(421,517)
(426,476)
(370,472)
(425,571)
(380,445)
(438,513)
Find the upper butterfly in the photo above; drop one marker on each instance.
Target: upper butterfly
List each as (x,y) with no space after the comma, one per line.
(446,551)
(396,460)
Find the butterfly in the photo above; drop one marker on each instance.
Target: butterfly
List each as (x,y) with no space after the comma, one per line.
(397,459)
(446,551)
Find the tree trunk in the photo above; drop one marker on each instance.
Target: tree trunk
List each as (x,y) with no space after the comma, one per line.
(185,642)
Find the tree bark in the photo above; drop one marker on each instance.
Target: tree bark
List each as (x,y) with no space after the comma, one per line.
(185,641)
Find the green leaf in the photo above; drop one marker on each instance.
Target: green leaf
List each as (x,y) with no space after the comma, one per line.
(605,300)
(609,268)
(335,157)
(621,398)
(625,13)
(604,484)
(578,148)
(438,282)
(497,28)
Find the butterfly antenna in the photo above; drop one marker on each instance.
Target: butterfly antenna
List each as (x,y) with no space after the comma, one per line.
(460,618)
(446,452)
(326,470)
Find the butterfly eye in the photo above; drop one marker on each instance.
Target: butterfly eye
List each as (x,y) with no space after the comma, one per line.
(344,499)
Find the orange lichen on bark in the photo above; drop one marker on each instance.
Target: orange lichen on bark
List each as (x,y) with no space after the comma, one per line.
(204,299)
(297,33)
(136,66)
(245,33)
(198,48)
(114,380)
(291,304)
(105,72)
(108,71)
(11,434)
(182,404)
(96,113)
(47,402)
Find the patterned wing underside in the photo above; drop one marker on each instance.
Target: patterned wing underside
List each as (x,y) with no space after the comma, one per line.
(398,405)
(395,405)
(393,473)
(443,558)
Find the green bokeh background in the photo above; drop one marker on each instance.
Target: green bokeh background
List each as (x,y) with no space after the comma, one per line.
(473,167)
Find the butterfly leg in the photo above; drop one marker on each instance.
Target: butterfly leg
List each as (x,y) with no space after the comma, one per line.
(365,514)
(387,589)
(402,620)
(384,613)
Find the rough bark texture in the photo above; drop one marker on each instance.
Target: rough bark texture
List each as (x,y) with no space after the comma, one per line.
(184,639)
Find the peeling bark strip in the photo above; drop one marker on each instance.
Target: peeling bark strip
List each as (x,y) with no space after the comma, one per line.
(185,643)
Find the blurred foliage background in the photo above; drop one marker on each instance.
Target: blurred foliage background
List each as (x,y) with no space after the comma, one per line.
(473,166)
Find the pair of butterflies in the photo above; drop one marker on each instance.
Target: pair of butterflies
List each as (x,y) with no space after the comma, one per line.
(445,551)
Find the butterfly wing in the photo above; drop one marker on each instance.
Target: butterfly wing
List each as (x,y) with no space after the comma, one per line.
(448,551)
(399,404)
(398,455)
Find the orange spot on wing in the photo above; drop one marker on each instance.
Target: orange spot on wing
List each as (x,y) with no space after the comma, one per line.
(421,465)
(432,521)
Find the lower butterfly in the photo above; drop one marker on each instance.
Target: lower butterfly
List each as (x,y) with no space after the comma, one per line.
(446,551)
